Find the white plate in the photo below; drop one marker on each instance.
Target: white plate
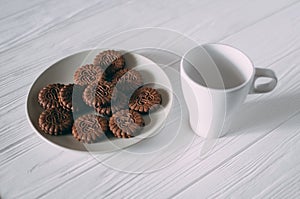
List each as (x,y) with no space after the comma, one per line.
(63,71)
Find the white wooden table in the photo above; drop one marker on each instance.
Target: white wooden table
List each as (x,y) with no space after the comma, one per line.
(259,159)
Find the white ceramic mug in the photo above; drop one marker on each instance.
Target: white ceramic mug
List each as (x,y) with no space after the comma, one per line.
(215,80)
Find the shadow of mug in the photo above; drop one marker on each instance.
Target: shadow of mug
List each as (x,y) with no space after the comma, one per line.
(264,114)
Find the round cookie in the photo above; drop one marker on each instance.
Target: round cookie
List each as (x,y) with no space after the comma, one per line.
(88,74)
(145,99)
(97,95)
(89,128)
(127,80)
(70,97)
(48,96)
(126,123)
(110,61)
(55,121)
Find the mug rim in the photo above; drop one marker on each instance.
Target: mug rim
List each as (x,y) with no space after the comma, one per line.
(217,89)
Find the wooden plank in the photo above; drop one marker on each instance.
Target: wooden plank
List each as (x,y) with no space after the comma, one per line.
(11,9)
(272,159)
(64,171)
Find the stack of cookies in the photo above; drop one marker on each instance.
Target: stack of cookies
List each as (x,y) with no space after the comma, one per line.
(113,91)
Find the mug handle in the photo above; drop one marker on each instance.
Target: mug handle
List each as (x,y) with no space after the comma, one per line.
(266,87)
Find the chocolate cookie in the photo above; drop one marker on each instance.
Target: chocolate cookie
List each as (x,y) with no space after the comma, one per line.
(48,96)
(126,123)
(104,110)
(70,97)
(89,128)
(118,102)
(110,61)
(127,80)
(145,99)
(88,74)
(97,95)
(55,121)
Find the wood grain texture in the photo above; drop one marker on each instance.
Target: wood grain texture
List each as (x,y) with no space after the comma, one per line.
(259,158)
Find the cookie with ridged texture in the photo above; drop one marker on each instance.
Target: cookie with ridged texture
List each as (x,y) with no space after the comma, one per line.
(48,96)
(145,99)
(55,121)
(126,123)
(104,110)
(110,61)
(97,95)
(127,80)
(89,128)
(70,97)
(88,74)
